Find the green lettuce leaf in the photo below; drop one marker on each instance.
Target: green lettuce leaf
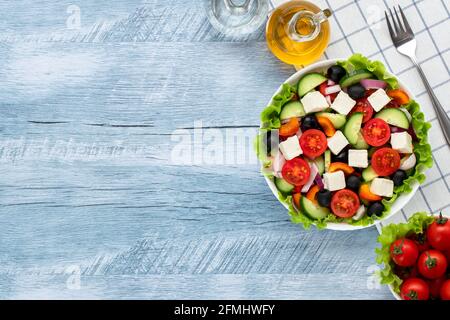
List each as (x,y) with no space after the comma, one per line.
(358,61)
(270,116)
(416,224)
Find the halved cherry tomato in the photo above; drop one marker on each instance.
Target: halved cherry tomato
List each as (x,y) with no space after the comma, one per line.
(333,96)
(312,193)
(369,92)
(376,132)
(313,143)
(400,96)
(363,106)
(392,104)
(290,128)
(322,88)
(345,203)
(385,161)
(296,171)
(365,194)
(336,166)
(326,125)
(296,197)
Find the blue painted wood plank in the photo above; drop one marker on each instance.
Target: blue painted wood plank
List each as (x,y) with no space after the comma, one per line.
(132,222)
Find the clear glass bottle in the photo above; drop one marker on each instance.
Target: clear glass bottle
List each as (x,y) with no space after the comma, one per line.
(237,17)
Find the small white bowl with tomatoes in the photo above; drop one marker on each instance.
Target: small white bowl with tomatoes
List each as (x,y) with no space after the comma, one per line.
(416,257)
(290,202)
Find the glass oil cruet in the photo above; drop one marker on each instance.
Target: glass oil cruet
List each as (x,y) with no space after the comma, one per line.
(298,32)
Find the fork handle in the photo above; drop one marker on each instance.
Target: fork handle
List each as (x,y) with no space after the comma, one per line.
(442,116)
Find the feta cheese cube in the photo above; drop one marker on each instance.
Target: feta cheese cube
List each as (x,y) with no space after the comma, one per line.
(290,148)
(378,99)
(334,180)
(358,158)
(314,102)
(337,142)
(402,142)
(343,104)
(382,187)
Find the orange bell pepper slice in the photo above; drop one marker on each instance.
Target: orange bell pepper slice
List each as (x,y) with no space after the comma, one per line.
(290,128)
(296,197)
(336,166)
(400,96)
(312,193)
(326,125)
(365,194)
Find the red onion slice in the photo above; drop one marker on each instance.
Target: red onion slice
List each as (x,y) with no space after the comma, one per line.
(331,83)
(373,84)
(395,129)
(310,182)
(319,182)
(412,133)
(332,89)
(277,164)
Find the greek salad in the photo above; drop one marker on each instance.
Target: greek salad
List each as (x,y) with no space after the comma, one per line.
(349,142)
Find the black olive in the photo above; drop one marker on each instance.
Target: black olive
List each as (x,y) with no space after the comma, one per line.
(309,122)
(324,197)
(356,91)
(398,177)
(353,182)
(341,157)
(375,208)
(336,73)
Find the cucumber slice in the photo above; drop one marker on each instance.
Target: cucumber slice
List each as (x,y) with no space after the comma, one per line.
(283,186)
(320,164)
(369,174)
(312,210)
(361,143)
(355,77)
(352,128)
(327,156)
(292,109)
(309,82)
(338,120)
(394,117)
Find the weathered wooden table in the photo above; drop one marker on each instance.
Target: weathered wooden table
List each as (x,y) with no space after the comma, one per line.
(93,201)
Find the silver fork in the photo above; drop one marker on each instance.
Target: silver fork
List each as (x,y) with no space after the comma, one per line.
(405,42)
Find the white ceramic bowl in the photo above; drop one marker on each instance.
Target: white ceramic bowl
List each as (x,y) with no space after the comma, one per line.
(401,201)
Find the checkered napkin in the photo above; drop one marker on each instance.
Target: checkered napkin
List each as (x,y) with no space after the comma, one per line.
(360,26)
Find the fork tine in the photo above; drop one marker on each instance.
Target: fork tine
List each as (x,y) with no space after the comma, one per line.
(396,27)
(400,25)
(391,31)
(405,21)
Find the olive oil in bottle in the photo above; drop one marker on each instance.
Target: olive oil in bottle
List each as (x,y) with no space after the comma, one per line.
(298,32)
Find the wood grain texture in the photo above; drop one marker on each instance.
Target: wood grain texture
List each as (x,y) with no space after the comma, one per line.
(87,182)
